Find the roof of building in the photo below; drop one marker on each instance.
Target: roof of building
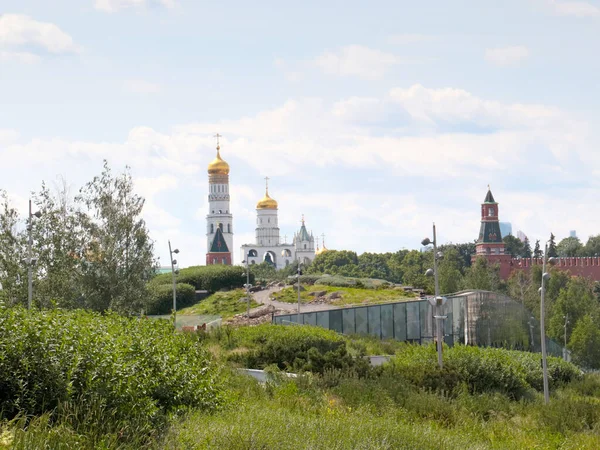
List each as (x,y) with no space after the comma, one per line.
(489,198)
(218,244)
(218,166)
(303,233)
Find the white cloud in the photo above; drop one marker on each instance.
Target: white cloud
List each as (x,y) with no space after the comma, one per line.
(576,9)
(506,56)
(141,87)
(116,5)
(20,57)
(357,60)
(18,30)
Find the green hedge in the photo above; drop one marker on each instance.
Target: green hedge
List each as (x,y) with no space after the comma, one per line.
(509,372)
(209,278)
(160,300)
(127,371)
(296,348)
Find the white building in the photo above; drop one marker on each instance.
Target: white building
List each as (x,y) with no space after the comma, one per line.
(219,221)
(268,246)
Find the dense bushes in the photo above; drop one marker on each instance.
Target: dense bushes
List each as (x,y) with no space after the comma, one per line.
(341,281)
(209,278)
(511,373)
(126,371)
(160,300)
(295,348)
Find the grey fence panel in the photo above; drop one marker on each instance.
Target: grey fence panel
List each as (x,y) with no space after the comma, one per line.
(310,319)
(335,321)
(413,321)
(374,314)
(362,320)
(323,319)
(387,321)
(349,320)
(400,321)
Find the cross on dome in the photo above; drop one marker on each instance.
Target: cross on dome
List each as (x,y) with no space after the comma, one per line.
(267,184)
(218,136)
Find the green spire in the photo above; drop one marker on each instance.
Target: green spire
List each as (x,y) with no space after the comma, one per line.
(218,244)
(489,198)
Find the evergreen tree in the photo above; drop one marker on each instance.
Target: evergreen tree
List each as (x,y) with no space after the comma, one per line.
(537,251)
(526,248)
(570,246)
(513,246)
(552,253)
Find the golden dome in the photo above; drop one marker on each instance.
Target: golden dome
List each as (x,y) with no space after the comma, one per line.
(266,202)
(218,166)
(321,250)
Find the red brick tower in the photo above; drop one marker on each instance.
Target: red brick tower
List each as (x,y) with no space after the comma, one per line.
(490,244)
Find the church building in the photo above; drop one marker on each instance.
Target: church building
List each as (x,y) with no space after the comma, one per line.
(268,246)
(219,232)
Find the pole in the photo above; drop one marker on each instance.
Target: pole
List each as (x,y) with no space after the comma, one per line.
(29,257)
(438,306)
(248,285)
(298,320)
(174,289)
(543,329)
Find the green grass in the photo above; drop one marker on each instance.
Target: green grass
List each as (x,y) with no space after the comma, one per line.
(350,295)
(385,414)
(224,304)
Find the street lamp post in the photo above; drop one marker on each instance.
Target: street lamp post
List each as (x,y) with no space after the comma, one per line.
(566,317)
(247,285)
(30,260)
(299,273)
(173,262)
(438,301)
(545,278)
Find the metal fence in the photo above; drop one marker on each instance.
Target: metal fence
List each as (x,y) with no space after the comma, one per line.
(473,318)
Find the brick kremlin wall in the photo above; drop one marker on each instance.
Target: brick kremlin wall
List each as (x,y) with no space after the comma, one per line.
(588,267)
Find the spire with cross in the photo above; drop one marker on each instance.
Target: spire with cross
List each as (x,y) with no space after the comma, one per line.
(323,241)
(218,136)
(267,185)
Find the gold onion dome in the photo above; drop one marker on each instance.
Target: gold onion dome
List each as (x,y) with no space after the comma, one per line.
(266,202)
(321,250)
(218,166)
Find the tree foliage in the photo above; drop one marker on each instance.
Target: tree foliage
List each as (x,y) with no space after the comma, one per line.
(93,250)
(569,246)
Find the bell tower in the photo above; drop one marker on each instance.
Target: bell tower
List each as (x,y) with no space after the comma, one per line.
(219,232)
(490,238)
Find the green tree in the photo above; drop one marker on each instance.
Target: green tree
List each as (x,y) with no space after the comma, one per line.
(570,246)
(13,273)
(449,270)
(526,248)
(575,300)
(59,239)
(537,251)
(465,251)
(592,246)
(335,262)
(552,247)
(585,342)
(374,265)
(519,285)
(119,257)
(513,246)
(484,276)
(414,266)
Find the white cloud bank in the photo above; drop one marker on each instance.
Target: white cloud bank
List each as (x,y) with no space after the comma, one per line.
(573,8)
(357,60)
(506,56)
(17,30)
(117,5)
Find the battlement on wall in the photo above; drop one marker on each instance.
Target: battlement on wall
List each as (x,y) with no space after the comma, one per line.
(559,262)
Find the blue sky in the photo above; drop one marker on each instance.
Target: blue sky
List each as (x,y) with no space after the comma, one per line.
(373,119)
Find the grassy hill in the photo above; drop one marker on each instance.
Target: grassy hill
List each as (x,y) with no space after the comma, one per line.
(224,304)
(348,295)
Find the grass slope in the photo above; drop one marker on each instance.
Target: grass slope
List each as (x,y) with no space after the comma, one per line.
(350,295)
(224,304)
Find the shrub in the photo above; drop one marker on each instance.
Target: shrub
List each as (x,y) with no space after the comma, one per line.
(298,348)
(114,369)
(209,278)
(160,299)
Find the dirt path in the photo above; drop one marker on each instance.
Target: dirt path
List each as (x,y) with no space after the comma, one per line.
(263,297)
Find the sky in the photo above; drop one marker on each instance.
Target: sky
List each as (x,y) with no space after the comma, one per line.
(373,119)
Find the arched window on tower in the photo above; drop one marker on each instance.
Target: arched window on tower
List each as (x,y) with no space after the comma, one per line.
(229,228)
(212,228)
(221,226)
(490,212)
(304,246)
